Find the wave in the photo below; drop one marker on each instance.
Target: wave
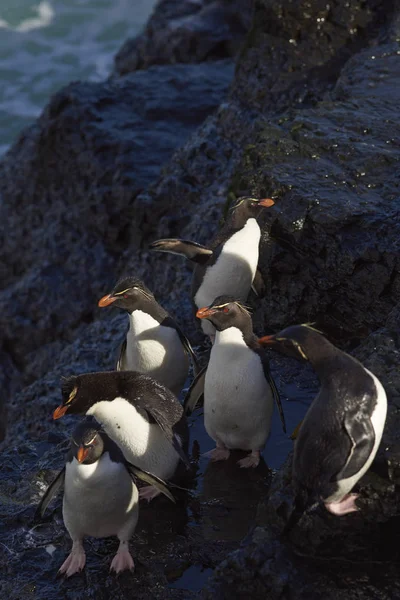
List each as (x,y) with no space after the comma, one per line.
(45,16)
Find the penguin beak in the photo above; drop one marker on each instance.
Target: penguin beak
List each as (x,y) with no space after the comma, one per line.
(106,300)
(82,453)
(60,412)
(204,313)
(266,202)
(267,340)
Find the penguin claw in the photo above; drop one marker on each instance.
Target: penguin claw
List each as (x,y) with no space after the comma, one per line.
(345,506)
(148,492)
(122,561)
(218,454)
(250,462)
(74,562)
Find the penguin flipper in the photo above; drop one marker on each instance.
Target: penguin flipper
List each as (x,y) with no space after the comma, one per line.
(150,479)
(274,389)
(190,250)
(166,420)
(187,346)
(49,494)
(121,356)
(362,437)
(195,391)
(258,285)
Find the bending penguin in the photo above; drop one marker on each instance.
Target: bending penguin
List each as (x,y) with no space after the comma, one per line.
(139,414)
(154,344)
(239,391)
(100,495)
(341,432)
(229,264)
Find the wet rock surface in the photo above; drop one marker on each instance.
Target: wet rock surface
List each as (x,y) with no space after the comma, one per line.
(187,32)
(311,120)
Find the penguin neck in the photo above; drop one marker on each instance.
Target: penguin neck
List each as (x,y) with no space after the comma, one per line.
(231,227)
(152,309)
(324,356)
(235,335)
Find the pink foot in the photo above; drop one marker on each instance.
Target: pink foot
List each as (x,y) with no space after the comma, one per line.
(123,559)
(148,492)
(219,453)
(346,505)
(251,461)
(75,561)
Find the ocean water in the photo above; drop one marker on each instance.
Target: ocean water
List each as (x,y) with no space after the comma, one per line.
(45,44)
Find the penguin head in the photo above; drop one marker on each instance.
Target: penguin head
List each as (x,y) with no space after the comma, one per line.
(226,312)
(246,208)
(296,341)
(80,392)
(129,294)
(87,441)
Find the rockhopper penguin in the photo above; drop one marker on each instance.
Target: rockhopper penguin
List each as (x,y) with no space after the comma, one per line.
(229,264)
(239,391)
(139,414)
(154,345)
(100,495)
(341,432)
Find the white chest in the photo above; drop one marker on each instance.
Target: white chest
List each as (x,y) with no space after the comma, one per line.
(142,443)
(99,499)
(156,351)
(235,268)
(238,401)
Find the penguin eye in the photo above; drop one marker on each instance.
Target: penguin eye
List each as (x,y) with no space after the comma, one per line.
(226,309)
(125,295)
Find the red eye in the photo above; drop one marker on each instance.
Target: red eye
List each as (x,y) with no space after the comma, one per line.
(226,309)
(125,296)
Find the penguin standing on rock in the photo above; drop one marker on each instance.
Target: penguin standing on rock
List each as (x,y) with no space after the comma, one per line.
(341,432)
(100,495)
(229,264)
(154,344)
(140,415)
(239,391)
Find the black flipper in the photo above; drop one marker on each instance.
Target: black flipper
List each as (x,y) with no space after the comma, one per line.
(362,435)
(150,479)
(190,250)
(258,285)
(49,494)
(169,322)
(195,391)
(167,415)
(274,389)
(121,353)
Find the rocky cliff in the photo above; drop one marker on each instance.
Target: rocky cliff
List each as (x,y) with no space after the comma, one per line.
(309,115)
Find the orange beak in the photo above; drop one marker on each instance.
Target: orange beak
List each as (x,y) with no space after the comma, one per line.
(205,312)
(82,453)
(60,412)
(266,202)
(267,340)
(106,300)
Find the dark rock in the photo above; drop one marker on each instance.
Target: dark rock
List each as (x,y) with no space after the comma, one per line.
(187,32)
(82,164)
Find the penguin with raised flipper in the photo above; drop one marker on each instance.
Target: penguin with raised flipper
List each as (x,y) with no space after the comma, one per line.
(100,495)
(239,391)
(139,414)
(229,264)
(341,432)
(154,344)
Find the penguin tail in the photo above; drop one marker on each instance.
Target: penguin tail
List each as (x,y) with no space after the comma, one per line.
(303,503)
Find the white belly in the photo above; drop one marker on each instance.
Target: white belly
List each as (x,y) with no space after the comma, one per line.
(378,419)
(155,350)
(233,272)
(143,444)
(99,499)
(238,401)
